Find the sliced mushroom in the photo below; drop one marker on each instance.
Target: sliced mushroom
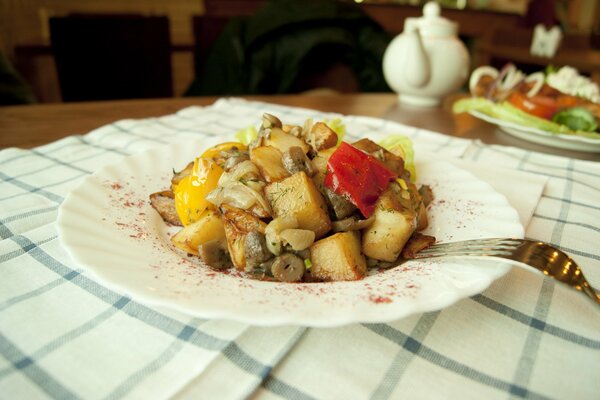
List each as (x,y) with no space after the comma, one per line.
(294,160)
(263,270)
(341,206)
(164,204)
(351,224)
(426,194)
(255,250)
(271,121)
(415,244)
(214,254)
(391,160)
(288,268)
(303,254)
(235,160)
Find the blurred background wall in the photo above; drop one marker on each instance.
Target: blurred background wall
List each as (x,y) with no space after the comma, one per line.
(25,34)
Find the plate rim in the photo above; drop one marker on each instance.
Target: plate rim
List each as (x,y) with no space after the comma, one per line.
(575,139)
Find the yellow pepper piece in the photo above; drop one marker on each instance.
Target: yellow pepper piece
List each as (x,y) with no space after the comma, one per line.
(215,151)
(190,193)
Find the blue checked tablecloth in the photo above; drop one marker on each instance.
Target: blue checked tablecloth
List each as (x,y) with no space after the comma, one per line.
(65,335)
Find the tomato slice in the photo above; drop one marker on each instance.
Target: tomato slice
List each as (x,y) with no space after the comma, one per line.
(540,106)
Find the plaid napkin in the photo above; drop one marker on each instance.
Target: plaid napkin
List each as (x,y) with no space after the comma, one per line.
(65,335)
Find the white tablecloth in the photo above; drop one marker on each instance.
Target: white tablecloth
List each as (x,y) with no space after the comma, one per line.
(65,335)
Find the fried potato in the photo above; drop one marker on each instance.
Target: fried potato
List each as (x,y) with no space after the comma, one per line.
(283,141)
(394,224)
(268,161)
(321,136)
(338,258)
(207,228)
(298,196)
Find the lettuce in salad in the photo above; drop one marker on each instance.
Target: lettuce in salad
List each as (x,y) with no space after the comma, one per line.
(338,127)
(398,144)
(246,135)
(401,146)
(507,112)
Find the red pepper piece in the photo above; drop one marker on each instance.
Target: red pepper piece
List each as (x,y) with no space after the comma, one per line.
(358,176)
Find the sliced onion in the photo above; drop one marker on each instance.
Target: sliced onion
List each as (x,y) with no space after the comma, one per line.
(508,78)
(511,78)
(308,123)
(239,171)
(244,169)
(274,228)
(237,195)
(299,239)
(480,72)
(538,79)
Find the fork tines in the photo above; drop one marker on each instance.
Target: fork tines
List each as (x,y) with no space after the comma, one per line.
(476,247)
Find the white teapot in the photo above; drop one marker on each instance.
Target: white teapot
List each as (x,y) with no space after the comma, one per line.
(427,61)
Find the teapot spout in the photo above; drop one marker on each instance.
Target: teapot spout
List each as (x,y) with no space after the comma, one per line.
(417,68)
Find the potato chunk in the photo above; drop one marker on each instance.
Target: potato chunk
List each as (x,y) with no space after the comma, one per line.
(321,136)
(237,224)
(298,196)
(268,161)
(338,258)
(283,141)
(394,223)
(208,227)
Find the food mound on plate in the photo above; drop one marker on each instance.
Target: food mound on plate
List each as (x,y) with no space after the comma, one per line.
(560,101)
(298,205)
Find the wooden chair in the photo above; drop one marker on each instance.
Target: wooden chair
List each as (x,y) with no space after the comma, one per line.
(106,57)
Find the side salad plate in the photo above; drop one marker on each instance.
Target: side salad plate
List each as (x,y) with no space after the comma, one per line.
(109,228)
(536,135)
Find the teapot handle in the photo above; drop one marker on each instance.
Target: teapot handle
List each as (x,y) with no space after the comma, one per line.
(417,69)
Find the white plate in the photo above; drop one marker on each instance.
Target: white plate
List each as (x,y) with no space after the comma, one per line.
(108,227)
(562,141)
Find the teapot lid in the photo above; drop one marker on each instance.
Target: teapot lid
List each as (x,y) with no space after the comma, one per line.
(431,23)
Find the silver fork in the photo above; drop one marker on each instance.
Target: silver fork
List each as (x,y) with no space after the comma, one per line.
(539,255)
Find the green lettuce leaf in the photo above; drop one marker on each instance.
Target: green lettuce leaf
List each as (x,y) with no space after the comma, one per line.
(507,112)
(576,118)
(338,127)
(401,146)
(247,135)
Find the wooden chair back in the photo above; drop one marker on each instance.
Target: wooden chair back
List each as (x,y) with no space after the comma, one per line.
(107,57)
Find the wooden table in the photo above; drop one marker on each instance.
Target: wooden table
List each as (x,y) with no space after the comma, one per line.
(30,126)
